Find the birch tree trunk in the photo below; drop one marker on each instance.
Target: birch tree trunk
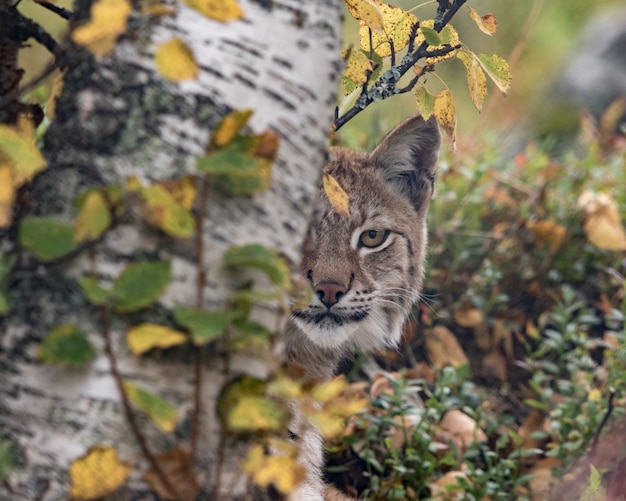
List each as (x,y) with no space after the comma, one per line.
(117,117)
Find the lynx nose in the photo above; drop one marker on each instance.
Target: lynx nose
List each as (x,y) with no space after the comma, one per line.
(330,292)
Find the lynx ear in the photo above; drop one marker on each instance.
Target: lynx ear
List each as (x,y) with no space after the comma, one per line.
(408,155)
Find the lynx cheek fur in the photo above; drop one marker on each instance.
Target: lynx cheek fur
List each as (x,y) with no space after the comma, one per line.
(366,269)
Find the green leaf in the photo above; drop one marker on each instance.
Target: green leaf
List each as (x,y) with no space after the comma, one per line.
(66,345)
(47,238)
(140,285)
(162,413)
(431,36)
(262,258)
(94,292)
(498,70)
(595,479)
(204,326)
(251,337)
(228,161)
(425,102)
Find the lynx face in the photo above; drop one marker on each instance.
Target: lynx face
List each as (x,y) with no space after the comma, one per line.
(366,269)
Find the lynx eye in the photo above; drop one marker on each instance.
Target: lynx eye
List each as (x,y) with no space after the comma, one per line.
(373,238)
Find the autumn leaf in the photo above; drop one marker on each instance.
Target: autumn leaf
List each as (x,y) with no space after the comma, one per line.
(107,22)
(397,27)
(7,195)
(230,125)
(175,61)
(602,223)
(548,234)
(160,412)
(93,219)
(469,317)
(368,11)
(487,23)
(498,70)
(425,102)
(218,10)
(178,466)
(256,413)
(147,336)
(462,426)
(281,470)
(445,112)
(97,474)
(448,36)
(357,66)
(476,79)
(337,197)
(443,348)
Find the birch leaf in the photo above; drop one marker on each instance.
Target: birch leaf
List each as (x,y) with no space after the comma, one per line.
(357,66)
(163,210)
(256,413)
(19,151)
(66,345)
(140,285)
(283,471)
(431,36)
(425,102)
(160,412)
(230,125)
(97,474)
(147,336)
(46,237)
(368,11)
(397,27)
(488,23)
(204,326)
(94,292)
(337,197)
(476,79)
(498,70)
(445,113)
(7,195)
(178,466)
(602,223)
(447,37)
(218,10)
(93,219)
(108,21)
(175,61)
(262,258)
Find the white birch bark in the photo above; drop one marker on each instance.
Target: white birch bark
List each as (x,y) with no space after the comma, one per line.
(116,118)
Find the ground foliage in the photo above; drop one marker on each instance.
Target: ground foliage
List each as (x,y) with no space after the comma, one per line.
(521,329)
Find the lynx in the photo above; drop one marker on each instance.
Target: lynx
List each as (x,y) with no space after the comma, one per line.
(366,269)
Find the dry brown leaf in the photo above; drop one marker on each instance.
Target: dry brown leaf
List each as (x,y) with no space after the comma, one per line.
(495,365)
(337,197)
(534,422)
(443,348)
(470,317)
(548,234)
(177,465)
(602,222)
(542,479)
(440,487)
(463,427)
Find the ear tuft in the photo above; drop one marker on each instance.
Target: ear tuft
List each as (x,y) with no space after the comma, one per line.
(408,157)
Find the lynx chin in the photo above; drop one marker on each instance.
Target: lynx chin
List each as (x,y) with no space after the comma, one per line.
(366,268)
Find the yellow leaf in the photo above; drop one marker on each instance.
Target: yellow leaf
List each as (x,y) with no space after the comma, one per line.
(476,79)
(337,197)
(175,61)
(97,474)
(330,389)
(445,113)
(471,317)
(602,222)
(447,36)
(488,23)
(163,210)
(548,232)
(19,151)
(55,92)
(229,126)
(161,412)
(397,27)
(357,64)
(145,337)
(256,413)
(369,12)
(595,395)
(498,70)
(108,21)
(218,10)
(282,471)
(7,195)
(183,190)
(93,219)
(330,425)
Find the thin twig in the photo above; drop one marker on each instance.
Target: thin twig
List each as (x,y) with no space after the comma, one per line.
(59,11)
(605,419)
(200,284)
